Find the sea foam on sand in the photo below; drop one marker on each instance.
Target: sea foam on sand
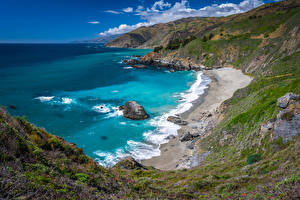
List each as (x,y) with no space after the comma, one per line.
(153,139)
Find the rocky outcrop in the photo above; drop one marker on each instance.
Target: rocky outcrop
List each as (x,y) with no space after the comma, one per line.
(132,110)
(139,66)
(283,102)
(287,124)
(156,60)
(177,120)
(129,163)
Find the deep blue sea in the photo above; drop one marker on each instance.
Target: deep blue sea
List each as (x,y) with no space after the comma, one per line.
(74,90)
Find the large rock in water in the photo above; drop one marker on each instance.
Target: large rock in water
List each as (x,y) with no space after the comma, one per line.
(133,110)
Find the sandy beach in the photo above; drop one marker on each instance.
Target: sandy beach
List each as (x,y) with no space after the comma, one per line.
(201,118)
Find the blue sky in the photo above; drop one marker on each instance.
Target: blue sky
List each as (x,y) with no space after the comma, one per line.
(69,20)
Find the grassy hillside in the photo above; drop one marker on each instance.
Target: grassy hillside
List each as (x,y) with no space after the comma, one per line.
(247,165)
(247,161)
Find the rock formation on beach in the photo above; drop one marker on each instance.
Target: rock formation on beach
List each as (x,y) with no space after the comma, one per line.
(177,120)
(134,111)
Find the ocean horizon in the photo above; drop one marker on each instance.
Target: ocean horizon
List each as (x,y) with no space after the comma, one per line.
(74,91)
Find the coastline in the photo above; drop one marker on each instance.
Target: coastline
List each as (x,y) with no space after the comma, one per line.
(201,118)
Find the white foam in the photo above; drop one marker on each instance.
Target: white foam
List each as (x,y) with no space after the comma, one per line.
(101,108)
(117,112)
(165,128)
(115,91)
(153,139)
(127,67)
(108,159)
(66,100)
(44,98)
(123,123)
(141,150)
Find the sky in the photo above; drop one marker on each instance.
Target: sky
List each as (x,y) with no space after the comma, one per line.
(58,21)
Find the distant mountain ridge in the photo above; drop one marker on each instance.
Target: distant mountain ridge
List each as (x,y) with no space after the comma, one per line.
(162,34)
(100,40)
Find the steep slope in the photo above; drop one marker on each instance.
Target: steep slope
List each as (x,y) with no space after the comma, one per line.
(248,41)
(247,160)
(180,30)
(38,165)
(254,150)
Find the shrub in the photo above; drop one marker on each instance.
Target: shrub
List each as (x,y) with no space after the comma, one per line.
(82,177)
(189,39)
(253,158)
(202,184)
(158,49)
(174,44)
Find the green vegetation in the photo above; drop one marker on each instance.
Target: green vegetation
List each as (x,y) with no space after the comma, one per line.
(265,44)
(253,158)
(158,48)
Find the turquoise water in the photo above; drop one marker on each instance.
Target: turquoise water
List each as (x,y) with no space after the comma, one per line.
(74,91)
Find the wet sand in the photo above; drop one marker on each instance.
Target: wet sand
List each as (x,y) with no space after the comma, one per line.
(224,82)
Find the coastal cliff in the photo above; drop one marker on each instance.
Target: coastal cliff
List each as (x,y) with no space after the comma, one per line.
(252,152)
(248,41)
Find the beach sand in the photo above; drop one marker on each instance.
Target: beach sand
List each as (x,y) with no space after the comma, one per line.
(224,82)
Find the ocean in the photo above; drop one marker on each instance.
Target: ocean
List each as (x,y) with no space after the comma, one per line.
(74,91)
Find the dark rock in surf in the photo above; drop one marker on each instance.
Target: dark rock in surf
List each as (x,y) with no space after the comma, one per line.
(132,110)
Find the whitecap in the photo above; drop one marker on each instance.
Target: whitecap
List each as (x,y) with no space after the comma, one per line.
(108,159)
(153,139)
(127,67)
(101,108)
(164,128)
(66,100)
(142,150)
(117,112)
(45,98)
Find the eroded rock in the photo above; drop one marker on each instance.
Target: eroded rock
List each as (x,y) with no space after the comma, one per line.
(177,120)
(187,136)
(287,123)
(283,102)
(129,163)
(132,110)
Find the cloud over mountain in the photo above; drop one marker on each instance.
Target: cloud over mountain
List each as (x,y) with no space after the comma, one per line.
(162,12)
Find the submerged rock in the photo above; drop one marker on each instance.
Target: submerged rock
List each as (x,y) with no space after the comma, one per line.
(177,120)
(13,107)
(283,102)
(133,110)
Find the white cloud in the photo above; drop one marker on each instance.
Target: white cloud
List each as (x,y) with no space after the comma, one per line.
(162,12)
(113,12)
(139,9)
(94,22)
(123,28)
(160,5)
(128,10)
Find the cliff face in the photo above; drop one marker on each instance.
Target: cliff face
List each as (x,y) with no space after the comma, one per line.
(249,41)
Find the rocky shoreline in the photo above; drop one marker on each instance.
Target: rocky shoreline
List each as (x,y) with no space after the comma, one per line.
(154,59)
